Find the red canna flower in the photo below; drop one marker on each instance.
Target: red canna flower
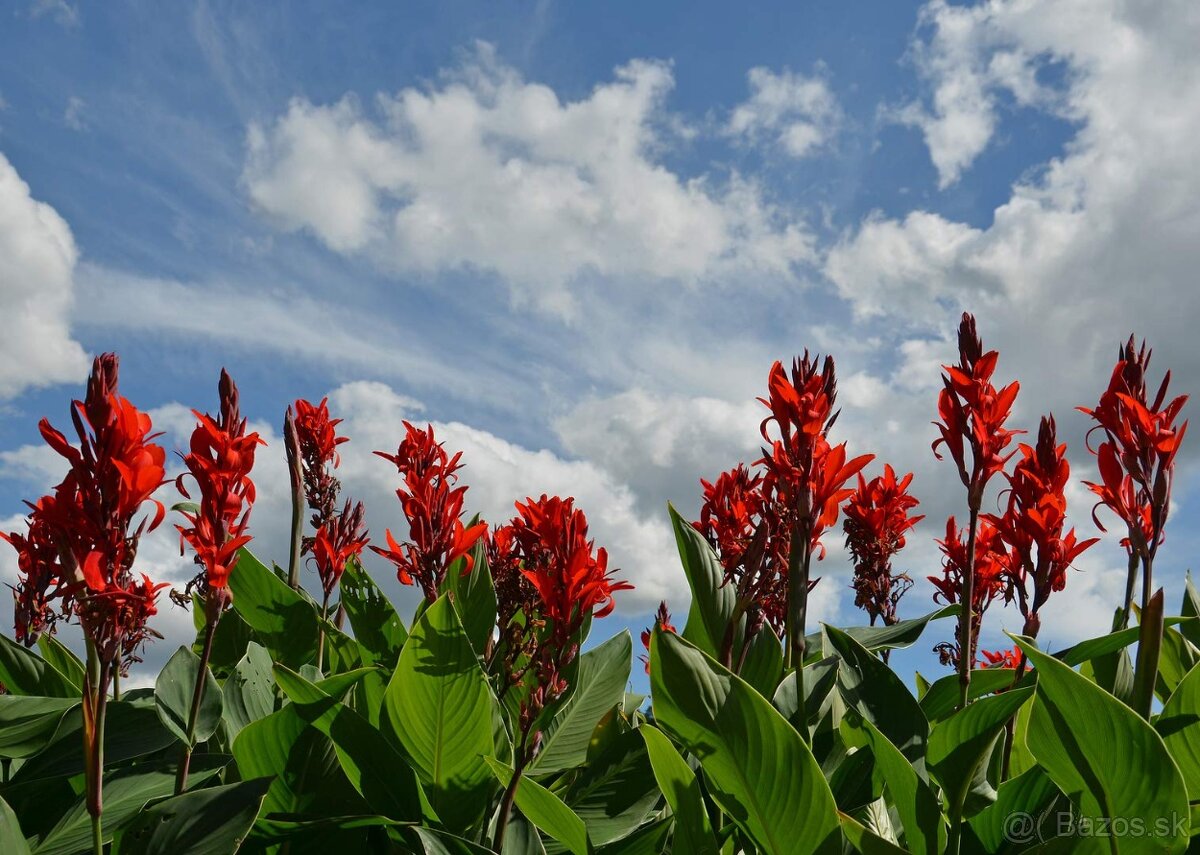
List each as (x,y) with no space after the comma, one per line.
(1033,523)
(317,442)
(876,521)
(220,458)
(1003,658)
(40,578)
(990,578)
(336,543)
(662,620)
(973,413)
(433,507)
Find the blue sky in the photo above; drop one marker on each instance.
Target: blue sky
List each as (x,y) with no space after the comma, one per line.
(575,237)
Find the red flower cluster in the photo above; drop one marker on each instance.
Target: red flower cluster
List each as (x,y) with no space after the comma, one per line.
(876,521)
(220,458)
(312,443)
(805,475)
(433,507)
(1033,523)
(748,533)
(564,581)
(990,572)
(1002,658)
(662,620)
(1137,457)
(81,541)
(337,542)
(973,413)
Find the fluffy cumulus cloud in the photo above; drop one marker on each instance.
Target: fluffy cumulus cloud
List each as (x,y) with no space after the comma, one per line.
(490,172)
(36,283)
(795,112)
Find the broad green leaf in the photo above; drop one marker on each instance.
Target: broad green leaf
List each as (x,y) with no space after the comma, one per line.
(1190,609)
(763,668)
(961,744)
(545,810)
(28,724)
(377,628)
(12,840)
(373,766)
(1179,726)
(941,698)
(1094,647)
(229,640)
(285,621)
(131,730)
(126,791)
(598,686)
(819,679)
(713,603)
(211,821)
(864,840)
(901,634)
(614,793)
(756,765)
(25,673)
(1089,743)
(1176,659)
(868,685)
(915,803)
(249,693)
(1023,795)
(267,748)
(474,595)
(435,842)
(64,661)
(679,786)
(173,693)
(442,709)
(650,839)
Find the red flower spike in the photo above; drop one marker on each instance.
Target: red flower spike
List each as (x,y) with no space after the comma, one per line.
(1033,524)
(662,620)
(990,572)
(433,507)
(1002,658)
(973,413)
(81,542)
(316,441)
(220,458)
(876,521)
(338,542)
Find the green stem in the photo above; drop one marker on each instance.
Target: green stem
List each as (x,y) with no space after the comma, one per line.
(966,617)
(95,699)
(1130,580)
(321,632)
(210,631)
(799,560)
(510,794)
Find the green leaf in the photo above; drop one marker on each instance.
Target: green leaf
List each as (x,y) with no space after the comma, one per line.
(435,842)
(173,692)
(941,699)
(598,686)
(442,710)
(474,596)
(650,839)
(1179,726)
(545,810)
(713,604)
(377,628)
(1176,659)
(763,668)
(1089,743)
(24,673)
(871,687)
(901,634)
(266,748)
(249,693)
(285,621)
(126,791)
(614,793)
(28,724)
(916,805)
(211,821)
(961,744)
(1190,609)
(757,767)
(131,730)
(373,766)
(1025,794)
(12,841)
(63,660)
(864,840)
(678,783)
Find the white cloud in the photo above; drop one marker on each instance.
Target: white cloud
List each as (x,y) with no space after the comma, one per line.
(39,255)
(490,172)
(73,116)
(64,14)
(798,113)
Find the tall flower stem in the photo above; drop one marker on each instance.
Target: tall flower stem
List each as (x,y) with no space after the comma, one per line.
(321,632)
(1130,581)
(799,560)
(966,617)
(95,702)
(510,793)
(210,631)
